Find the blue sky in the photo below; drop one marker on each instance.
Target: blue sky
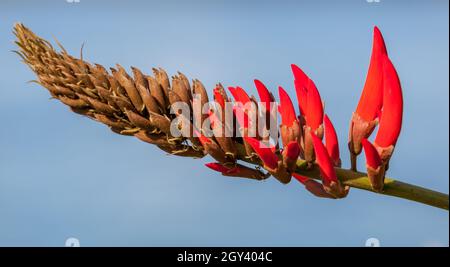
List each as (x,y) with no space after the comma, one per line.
(62,175)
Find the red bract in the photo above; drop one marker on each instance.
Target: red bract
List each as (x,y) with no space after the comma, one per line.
(375,167)
(391,117)
(331,142)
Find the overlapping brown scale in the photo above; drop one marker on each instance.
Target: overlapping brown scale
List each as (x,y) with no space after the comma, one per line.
(162,78)
(179,87)
(200,100)
(158,93)
(127,83)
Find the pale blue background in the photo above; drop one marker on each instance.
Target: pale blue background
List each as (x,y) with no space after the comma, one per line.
(63,175)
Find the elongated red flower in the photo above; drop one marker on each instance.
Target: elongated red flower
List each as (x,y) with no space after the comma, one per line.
(314,187)
(301,81)
(237,170)
(264,152)
(391,117)
(373,160)
(371,100)
(331,142)
(286,108)
(364,119)
(324,161)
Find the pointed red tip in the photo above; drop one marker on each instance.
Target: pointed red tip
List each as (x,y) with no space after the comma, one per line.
(217,167)
(392,113)
(331,139)
(292,150)
(314,107)
(372,157)
(286,108)
(218,97)
(265,153)
(302,179)
(301,81)
(323,160)
(299,75)
(378,42)
(264,94)
(239,94)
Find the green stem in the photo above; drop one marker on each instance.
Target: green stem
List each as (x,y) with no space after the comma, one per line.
(392,187)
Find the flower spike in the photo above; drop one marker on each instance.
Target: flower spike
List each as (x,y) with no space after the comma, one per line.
(365,118)
(331,141)
(375,170)
(330,181)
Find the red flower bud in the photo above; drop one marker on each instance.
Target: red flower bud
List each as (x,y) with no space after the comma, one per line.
(324,161)
(373,160)
(375,166)
(290,155)
(329,179)
(264,152)
(314,187)
(331,142)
